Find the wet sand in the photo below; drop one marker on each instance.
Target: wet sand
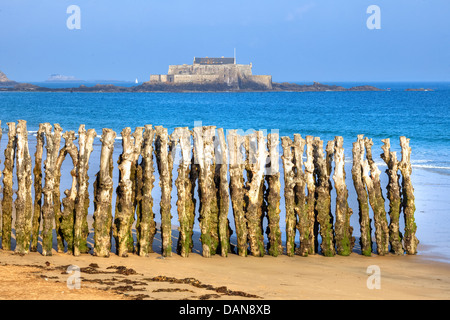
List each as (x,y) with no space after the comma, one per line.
(34,276)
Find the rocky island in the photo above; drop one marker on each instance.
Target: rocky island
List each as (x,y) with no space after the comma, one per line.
(149,87)
(203,75)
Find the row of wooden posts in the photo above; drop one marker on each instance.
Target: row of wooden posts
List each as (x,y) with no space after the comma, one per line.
(244,168)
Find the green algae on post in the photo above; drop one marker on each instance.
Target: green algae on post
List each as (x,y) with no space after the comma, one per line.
(363,202)
(136,180)
(57,194)
(68,214)
(165,164)
(53,141)
(145,225)
(37,172)
(343,230)
(410,240)
(395,198)
(310,180)
(204,157)
(376,199)
(7,201)
(257,161)
(185,207)
(124,200)
(323,200)
(237,192)
(103,196)
(289,195)
(23,203)
(303,223)
(81,230)
(221,181)
(272,195)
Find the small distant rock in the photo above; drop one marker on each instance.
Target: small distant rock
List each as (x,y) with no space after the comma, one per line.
(419,89)
(60,77)
(317,86)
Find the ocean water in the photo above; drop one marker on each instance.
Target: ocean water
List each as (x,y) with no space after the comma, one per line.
(424,117)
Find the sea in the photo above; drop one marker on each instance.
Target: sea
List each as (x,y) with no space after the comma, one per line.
(421,116)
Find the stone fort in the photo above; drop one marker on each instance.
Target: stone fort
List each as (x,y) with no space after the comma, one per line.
(223,71)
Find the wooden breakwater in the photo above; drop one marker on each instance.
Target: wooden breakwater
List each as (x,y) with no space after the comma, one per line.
(233,171)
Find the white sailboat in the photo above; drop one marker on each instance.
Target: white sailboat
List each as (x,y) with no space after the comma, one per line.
(136,81)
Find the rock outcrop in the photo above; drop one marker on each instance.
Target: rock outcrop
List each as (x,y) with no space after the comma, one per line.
(4,81)
(316,86)
(190,87)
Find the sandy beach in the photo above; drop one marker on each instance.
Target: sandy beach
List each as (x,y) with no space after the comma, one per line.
(34,276)
(197,278)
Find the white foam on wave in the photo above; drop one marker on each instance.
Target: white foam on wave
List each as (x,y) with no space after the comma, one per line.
(429,166)
(420,161)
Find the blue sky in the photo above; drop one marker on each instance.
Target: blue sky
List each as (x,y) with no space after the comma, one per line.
(293,40)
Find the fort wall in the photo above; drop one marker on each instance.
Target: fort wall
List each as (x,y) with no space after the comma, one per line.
(230,74)
(262,80)
(199,78)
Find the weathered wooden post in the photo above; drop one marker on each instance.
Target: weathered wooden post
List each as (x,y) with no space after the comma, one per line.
(53,141)
(323,199)
(235,145)
(257,162)
(57,194)
(289,195)
(81,229)
(23,203)
(103,196)
(124,202)
(303,224)
(193,177)
(329,149)
(394,196)
(273,197)
(185,206)
(204,157)
(410,240)
(310,181)
(165,166)
(137,180)
(376,200)
(7,200)
(68,214)
(363,202)
(343,230)
(37,172)
(146,226)
(221,178)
